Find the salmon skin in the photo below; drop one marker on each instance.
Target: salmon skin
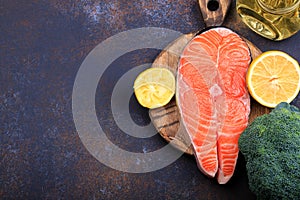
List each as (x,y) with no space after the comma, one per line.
(213,100)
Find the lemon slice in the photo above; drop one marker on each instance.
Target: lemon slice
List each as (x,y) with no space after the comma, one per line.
(273,77)
(154,87)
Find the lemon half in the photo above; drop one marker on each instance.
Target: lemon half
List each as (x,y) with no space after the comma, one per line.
(154,87)
(273,77)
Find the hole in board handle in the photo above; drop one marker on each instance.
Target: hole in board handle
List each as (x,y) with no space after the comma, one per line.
(213,5)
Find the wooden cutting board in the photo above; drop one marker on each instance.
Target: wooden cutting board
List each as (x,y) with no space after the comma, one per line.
(167,119)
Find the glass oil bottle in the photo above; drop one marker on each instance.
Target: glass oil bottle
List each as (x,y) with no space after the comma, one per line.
(273,19)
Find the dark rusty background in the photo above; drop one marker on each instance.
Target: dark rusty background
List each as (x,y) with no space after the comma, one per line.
(43,43)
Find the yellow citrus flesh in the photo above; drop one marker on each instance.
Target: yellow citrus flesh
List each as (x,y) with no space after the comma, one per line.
(273,77)
(154,87)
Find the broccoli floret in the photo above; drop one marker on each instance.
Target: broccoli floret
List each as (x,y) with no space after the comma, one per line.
(271,147)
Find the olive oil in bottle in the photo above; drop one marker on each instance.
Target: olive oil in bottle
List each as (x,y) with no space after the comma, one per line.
(273,19)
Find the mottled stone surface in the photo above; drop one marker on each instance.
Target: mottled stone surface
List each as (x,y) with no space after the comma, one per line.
(42,45)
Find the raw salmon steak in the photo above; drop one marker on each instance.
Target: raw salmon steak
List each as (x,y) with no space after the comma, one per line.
(213,100)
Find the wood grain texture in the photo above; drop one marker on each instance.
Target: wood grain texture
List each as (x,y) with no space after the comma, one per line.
(167,119)
(214,11)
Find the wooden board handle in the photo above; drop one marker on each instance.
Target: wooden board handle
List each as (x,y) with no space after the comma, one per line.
(214,11)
